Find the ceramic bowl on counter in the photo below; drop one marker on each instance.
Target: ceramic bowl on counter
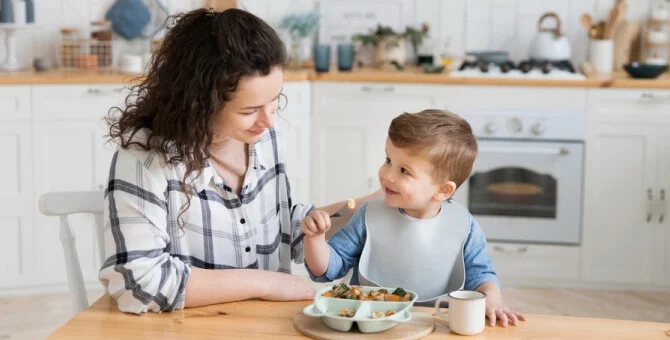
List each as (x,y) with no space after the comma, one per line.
(645,71)
(341,311)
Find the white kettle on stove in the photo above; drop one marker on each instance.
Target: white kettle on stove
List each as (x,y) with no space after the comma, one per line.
(549,43)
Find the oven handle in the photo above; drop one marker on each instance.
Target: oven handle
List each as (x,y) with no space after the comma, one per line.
(534,151)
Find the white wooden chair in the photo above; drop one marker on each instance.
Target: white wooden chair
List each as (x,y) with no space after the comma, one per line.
(67,203)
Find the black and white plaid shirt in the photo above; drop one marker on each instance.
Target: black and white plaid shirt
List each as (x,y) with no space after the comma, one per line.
(148,255)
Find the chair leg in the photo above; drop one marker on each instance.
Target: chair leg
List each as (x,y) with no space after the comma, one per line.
(99,231)
(75,278)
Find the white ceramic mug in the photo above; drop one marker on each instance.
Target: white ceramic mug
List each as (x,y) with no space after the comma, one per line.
(602,56)
(467,311)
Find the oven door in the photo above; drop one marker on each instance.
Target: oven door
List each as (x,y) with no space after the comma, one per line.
(526,191)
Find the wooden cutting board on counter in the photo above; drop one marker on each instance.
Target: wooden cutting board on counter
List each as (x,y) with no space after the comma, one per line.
(421,325)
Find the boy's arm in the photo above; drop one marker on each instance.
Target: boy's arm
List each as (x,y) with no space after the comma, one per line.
(328,261)
(478,265)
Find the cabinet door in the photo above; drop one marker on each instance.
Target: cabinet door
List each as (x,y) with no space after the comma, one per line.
(620,176)
(346,154)
(69,156)
(662,221)
(294,124)
(16,205)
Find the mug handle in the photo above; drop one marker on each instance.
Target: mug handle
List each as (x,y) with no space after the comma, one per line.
(439,313)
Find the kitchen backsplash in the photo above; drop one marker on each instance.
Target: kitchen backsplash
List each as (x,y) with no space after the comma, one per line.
(468,24)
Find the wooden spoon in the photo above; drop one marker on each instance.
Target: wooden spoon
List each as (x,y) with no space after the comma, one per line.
(586,21)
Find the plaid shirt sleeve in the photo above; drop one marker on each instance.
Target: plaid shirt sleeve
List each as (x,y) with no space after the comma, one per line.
(140,274)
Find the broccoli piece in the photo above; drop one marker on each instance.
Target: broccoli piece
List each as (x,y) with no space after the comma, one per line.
(383,291)
(400,292)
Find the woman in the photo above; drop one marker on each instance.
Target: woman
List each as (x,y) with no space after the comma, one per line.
(199,183)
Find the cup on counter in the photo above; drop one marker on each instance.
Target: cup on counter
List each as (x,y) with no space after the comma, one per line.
(322,57)
(467,311)
(601,56)
(345,56)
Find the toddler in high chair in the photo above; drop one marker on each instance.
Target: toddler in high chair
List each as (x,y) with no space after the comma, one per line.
(416,237)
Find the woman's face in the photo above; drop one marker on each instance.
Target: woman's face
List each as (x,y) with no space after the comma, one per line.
(251,109)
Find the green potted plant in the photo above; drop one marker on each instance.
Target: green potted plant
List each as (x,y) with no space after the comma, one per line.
(300,27)
(389,46)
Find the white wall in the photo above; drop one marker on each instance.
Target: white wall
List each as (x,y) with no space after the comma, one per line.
(471,24)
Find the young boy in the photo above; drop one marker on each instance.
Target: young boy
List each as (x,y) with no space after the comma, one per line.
(415,238)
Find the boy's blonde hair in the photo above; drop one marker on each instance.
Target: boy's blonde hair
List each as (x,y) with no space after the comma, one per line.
(444,137)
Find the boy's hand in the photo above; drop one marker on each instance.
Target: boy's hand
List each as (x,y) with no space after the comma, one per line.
(495,309)
(316,223)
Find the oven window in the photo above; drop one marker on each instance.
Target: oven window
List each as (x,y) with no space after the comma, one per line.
(512,191)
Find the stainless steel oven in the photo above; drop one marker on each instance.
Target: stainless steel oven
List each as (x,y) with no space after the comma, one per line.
(526,184)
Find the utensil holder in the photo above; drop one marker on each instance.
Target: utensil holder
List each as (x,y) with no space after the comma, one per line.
(601,56)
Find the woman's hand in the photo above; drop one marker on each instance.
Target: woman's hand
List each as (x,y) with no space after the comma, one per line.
(316,223)
(287,287)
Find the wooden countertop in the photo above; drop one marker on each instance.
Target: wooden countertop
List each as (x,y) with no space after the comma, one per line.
(410,75)
(94,77)
(414,75)
(271,320)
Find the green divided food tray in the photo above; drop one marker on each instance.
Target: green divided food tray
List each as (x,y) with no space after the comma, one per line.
(329,308)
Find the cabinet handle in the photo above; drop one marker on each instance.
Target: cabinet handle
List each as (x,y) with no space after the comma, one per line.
(651,96)
(519,250)
(663,206)
(388,89)
(369,182)
(97,91)
(649,203)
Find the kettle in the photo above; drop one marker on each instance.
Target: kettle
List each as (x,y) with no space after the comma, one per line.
(549,43)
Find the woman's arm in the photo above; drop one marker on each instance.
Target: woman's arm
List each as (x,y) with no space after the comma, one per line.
(206,287)
(339,222)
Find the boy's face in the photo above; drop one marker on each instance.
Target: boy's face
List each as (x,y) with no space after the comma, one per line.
(406,179)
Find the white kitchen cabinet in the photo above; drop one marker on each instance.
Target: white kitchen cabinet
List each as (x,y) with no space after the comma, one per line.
(345,157)
(16,204)
(15,103)
(68,156)
(519,262)
(66,102)
(349,128)
(627,177)
(662,225)
(620,172)
(294,124)
(351,100)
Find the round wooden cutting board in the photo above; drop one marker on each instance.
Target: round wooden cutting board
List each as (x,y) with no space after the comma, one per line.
(421,325)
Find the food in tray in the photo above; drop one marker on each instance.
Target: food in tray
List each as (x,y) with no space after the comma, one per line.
(346,312)
(379,315)
(343,291)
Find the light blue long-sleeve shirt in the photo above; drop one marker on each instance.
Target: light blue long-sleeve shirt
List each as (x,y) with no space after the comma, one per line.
(346,246)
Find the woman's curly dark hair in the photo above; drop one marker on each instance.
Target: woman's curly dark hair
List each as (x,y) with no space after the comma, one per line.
(192,75)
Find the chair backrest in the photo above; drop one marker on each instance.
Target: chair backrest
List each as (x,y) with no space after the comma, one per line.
(67,203)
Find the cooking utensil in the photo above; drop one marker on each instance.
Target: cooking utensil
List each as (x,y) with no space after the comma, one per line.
(600,30)
(346,207)
(586,21)
(549,43)
(614,17)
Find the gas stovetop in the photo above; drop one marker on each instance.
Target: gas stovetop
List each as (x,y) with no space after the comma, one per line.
(533,69)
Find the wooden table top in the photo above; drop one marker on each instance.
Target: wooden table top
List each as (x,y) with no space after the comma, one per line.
(271,320)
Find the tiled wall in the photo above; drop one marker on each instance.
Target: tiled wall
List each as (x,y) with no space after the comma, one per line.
(470,24)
